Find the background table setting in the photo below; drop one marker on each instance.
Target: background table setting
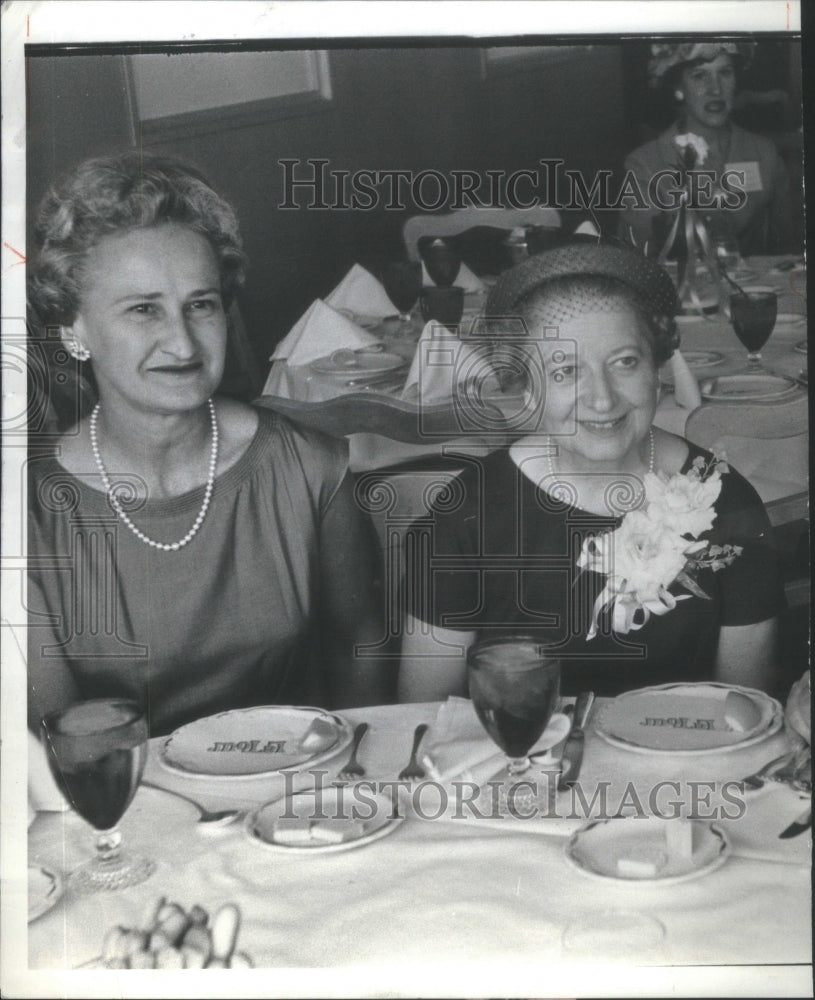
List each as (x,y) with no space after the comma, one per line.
(412,884)
(393,382)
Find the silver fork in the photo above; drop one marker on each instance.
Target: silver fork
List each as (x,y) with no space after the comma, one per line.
(353,769)
(414,769)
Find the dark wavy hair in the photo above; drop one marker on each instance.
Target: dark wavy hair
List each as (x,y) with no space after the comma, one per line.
(113,194)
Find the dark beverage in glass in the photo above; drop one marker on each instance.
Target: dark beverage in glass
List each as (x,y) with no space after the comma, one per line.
(403,282)
(96,751)
(753,318)
(445,305)
(442,263)
(514,685)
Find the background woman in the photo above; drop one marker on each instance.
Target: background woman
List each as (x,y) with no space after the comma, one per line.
(703,77)
(202,547)
(505,542)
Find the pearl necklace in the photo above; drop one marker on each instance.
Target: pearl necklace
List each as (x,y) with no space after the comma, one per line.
(112,499)
(550,465)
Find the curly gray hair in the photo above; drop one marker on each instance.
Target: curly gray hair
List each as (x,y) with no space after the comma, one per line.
(111,194)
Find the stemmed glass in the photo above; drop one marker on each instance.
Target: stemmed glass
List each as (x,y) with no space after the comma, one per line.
(442,263)
(96,751)
(514,684)
(403,282)
(752,315)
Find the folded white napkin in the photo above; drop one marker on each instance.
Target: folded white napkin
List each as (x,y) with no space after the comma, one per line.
(319,332)
(43,794)
(460,748)
(464,279)
(442,362)
(361,293)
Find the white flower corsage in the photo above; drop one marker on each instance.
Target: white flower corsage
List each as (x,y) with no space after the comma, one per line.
(696,143)
(657,546)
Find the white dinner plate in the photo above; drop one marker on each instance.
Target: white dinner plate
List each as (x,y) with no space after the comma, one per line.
(683,719)
(251,742)
(597,849)
(702,359)
(325,820)
(747,388)
(44,890)
(352,364)
(363,320)
(790,321)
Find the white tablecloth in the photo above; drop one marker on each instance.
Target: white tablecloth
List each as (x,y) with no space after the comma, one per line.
(484,896)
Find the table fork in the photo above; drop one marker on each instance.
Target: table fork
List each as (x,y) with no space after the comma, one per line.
(414,770)
(353,769)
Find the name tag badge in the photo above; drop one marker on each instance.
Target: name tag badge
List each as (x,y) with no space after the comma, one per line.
(752,174)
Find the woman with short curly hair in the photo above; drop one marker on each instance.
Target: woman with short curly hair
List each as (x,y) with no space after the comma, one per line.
(217,558)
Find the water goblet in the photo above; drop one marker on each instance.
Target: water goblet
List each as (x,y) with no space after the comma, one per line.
(514,683)
(752,316)
(96,751)
(403,282)
(445,305)
(442,263)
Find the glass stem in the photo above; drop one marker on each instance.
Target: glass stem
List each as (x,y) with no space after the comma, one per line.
(517,765)
(108,846)
(754,360)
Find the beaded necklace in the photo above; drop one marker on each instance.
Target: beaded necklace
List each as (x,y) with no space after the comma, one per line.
(114,502)
(550,465)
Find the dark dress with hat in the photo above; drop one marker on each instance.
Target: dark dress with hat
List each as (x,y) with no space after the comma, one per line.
(502,559)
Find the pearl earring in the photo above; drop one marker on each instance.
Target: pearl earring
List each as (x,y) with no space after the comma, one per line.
(679,95)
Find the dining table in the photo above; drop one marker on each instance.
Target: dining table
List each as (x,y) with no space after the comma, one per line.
(454,904)
(388,426)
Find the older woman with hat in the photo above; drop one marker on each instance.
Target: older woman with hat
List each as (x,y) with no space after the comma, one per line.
(522,542)
(749,182)
(186,550)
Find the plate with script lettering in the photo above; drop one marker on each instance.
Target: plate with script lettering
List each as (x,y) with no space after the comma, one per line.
(688,718)
(249,742)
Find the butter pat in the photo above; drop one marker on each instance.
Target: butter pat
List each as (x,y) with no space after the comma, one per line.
(291,831)
(648,862)
(320,735)
(336,831)
(679,838)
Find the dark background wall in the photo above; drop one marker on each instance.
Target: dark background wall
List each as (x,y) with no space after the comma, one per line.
(408,108)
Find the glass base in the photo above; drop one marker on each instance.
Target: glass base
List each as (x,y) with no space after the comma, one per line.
(523,795)
(98,876)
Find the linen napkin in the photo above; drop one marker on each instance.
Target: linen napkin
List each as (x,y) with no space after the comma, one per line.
(464,279)
(361,293)
(460,749)
(319,332)
(43,794)
(441,363)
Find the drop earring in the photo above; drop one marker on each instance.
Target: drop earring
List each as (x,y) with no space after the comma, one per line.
(78,351)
